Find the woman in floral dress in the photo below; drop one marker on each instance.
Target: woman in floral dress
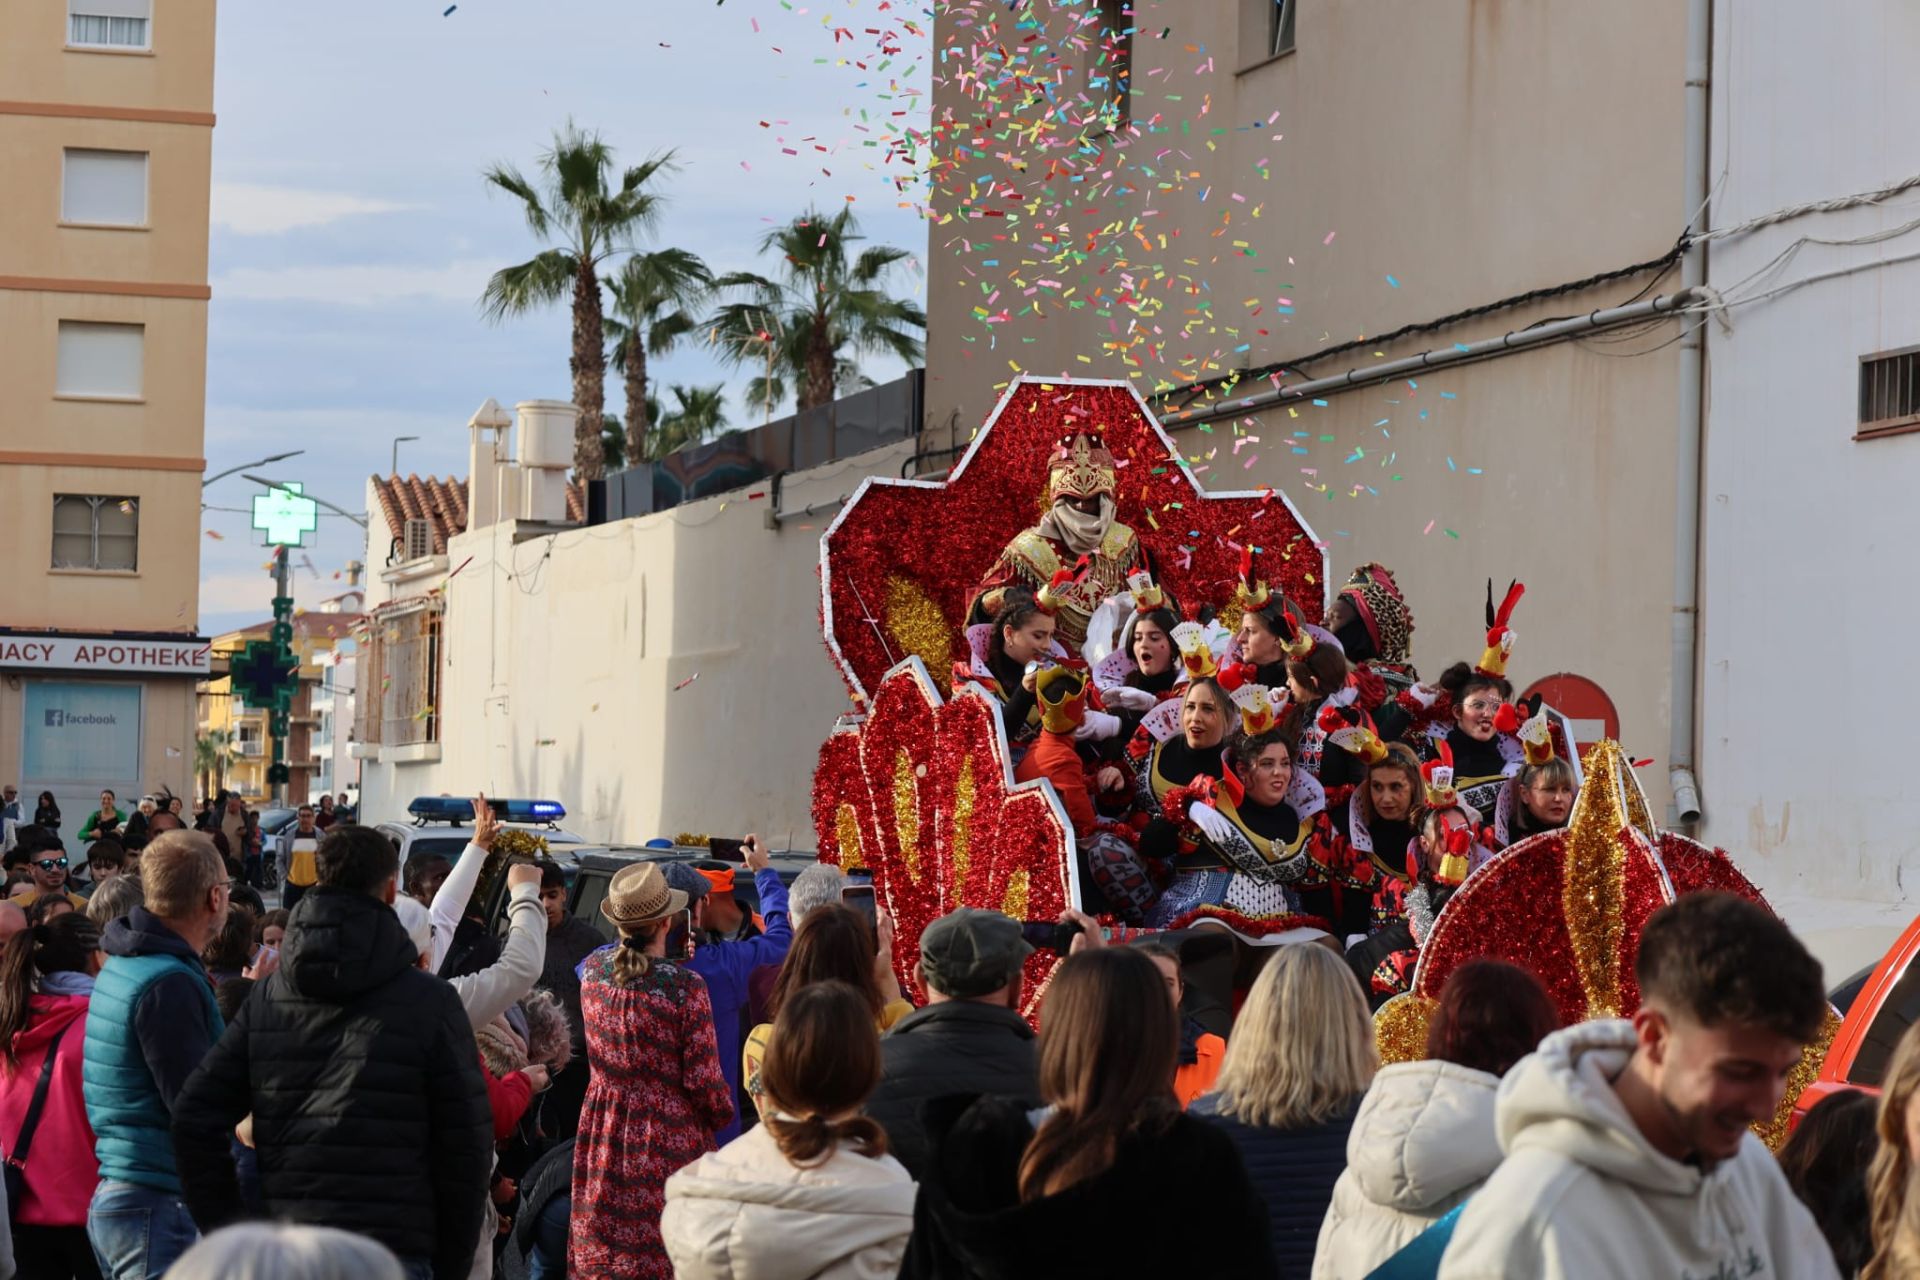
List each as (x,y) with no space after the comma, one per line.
(656,1095)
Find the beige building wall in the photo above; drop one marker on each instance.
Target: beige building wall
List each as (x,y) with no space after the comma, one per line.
(1473,151)
(656,676)
(143,448)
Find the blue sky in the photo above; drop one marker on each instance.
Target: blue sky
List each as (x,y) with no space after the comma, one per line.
(352,234)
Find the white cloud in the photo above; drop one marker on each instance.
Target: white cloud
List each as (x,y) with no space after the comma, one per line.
(363,286)
(254,210)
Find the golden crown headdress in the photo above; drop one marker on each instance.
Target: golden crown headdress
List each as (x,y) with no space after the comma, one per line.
(1080,467)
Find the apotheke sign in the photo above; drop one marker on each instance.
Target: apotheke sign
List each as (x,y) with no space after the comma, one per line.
(84,653)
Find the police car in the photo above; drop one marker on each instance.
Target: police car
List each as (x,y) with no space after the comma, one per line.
(443,825)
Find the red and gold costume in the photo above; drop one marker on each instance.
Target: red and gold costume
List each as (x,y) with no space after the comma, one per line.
(1080,468)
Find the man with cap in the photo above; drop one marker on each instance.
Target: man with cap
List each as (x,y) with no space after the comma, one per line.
(727,963)
(726,919)
(969,1040)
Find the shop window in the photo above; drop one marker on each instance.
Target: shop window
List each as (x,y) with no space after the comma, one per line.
(91,531)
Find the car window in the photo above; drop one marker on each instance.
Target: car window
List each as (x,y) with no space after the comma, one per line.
(274,819)
(1896,1013)
(590,892)
(447,847)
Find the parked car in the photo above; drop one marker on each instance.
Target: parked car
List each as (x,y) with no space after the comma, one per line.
(592,868)
(1877,1005)
(444,825)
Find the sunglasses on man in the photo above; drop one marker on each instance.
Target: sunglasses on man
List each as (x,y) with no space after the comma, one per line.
(48,864)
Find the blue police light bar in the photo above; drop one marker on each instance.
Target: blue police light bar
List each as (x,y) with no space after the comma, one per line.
(458,810)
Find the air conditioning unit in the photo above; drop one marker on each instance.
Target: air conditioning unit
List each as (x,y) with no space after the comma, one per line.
(417,539)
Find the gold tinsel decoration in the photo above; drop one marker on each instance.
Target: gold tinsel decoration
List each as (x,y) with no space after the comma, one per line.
(1400,1027)
(1804,1073)
(1594,881)
(963,823)
(917,625)
(1014,902)
(688,840)
(846,825)
(906,813)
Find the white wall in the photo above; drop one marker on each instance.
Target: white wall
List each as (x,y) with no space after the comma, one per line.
(567,657)
(1809,605)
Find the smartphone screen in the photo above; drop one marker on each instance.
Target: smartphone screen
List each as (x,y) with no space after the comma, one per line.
(726,850)
(860,898)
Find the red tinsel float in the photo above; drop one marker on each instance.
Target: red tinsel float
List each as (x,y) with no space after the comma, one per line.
(901,562)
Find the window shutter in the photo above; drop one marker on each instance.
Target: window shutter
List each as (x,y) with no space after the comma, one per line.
(100,359)
(107,187)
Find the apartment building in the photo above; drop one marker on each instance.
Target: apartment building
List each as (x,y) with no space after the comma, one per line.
(106,122)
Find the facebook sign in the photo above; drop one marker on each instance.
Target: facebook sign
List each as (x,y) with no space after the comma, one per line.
(81,732)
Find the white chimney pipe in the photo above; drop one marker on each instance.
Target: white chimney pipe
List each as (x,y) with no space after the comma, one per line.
(488,425)
(545,454)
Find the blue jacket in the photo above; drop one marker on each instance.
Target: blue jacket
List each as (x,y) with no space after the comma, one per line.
(1293,1170)
(153,1018)
(725,966)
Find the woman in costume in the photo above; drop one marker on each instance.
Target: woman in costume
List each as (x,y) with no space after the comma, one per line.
(1171,752)
(1262,837)
(1145,668)
(1006,653)
(1286,653)
(1540,797)
(1463,709)
(1438,863)
(1382,818)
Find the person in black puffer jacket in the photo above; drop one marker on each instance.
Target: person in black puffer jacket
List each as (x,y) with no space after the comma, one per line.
(360,1071)
(968,1040)
(1300,1060)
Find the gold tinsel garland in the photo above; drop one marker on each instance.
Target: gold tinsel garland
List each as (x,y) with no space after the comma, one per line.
(1594,887)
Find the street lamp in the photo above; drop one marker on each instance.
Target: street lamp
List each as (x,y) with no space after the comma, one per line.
(281,484)
(394,468)
(258,462)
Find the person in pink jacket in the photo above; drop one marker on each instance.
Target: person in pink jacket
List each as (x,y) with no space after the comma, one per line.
(46,983)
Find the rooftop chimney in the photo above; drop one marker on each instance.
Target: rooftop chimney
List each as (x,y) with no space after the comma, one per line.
(545,450)
(484,462)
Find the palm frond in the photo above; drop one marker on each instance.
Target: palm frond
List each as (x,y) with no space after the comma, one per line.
(544,279)
(505,177)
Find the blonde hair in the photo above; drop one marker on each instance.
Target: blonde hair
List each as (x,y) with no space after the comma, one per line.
(1892,1195)
(630,960)
(179,869)
(1302,1049)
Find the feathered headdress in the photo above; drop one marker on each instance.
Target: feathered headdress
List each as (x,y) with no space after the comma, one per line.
(1253,593)
(1196,655)
(1493,663)
(1053,595)
(1346,728)
(1147,595)
(1295,638)
(1260,711)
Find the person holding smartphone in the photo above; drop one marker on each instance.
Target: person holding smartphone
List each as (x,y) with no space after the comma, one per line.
(727,964)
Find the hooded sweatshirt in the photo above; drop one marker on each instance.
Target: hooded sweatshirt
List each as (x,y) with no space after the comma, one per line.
(1423,1141)
(369,1108)
(745,1213)
(1582,1193)
(61,1172)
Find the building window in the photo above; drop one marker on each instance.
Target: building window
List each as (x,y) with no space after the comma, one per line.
(1111,72)
(108,188)
(109,24)
(404,650)
(1889,394)
(252,743)
(95,532)
(1266,30)
(100,360)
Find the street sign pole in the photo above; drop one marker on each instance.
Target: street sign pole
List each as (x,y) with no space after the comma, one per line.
(266,673)
(277,719)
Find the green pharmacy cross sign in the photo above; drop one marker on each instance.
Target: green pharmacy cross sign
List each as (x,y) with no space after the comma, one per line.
(285,515)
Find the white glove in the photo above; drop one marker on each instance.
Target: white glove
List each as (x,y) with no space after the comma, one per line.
(1211,824)
(1424,694)
(1097,726)
(1127,698)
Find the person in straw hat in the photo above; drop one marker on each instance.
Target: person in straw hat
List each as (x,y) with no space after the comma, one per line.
(656,1095)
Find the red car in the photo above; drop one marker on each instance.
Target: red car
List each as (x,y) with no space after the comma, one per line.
(1878,1005)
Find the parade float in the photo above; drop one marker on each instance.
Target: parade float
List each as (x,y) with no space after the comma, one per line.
(916,785)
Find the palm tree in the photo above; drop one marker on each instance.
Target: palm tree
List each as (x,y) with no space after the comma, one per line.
(212,753)
(590,221)
(651,295)
(699,413)
(807,328)
(613,442)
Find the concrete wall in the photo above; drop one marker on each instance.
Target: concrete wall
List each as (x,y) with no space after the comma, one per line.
(568,656)
(1809,605)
